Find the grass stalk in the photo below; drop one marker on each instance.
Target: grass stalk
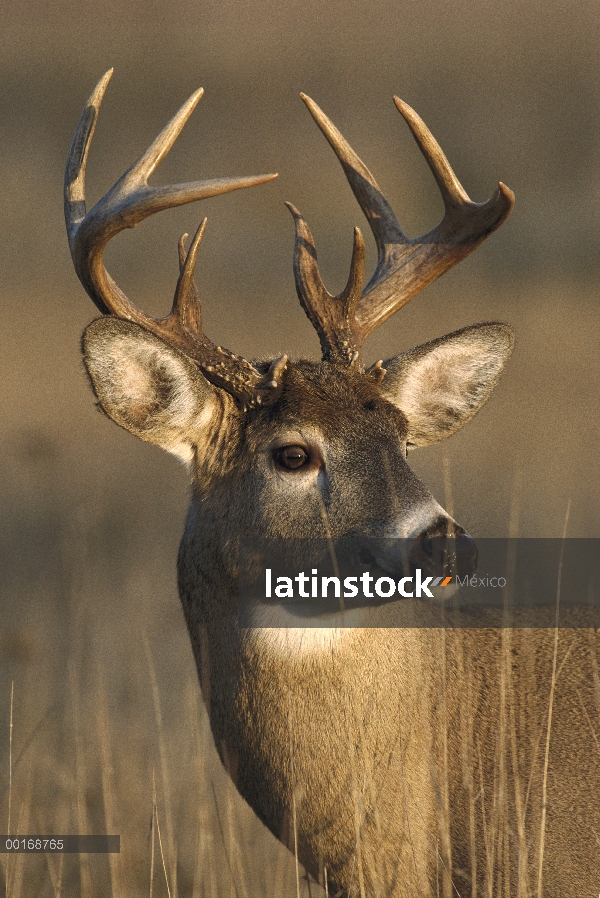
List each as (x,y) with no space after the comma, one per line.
(164,769)
(550,709)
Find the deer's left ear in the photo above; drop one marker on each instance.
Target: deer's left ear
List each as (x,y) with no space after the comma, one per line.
(439,386)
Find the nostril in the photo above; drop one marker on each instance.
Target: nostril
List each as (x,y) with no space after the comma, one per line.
(444,548)
(427,546)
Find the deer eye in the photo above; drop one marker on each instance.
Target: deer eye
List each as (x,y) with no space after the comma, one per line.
(292,457)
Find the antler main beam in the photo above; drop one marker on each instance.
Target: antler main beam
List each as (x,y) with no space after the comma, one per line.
(404,266)
(129,202)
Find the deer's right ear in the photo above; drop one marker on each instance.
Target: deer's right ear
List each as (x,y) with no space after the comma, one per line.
(146,386)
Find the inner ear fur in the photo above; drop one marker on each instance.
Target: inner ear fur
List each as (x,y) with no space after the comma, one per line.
(146,386)
(440,385)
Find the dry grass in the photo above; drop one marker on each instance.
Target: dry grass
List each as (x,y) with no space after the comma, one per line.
(104,732)
(91,769)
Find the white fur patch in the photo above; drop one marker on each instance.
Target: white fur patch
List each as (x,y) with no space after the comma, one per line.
(288,643)
(135,384)
(415,520)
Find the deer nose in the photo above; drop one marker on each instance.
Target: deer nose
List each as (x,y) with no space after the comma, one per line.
(444,549)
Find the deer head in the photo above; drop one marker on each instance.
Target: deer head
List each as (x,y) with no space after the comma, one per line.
(166,381)
(287,448)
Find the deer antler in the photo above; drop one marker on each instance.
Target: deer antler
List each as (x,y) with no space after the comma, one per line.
(127,203)
(331,316)
(404,266)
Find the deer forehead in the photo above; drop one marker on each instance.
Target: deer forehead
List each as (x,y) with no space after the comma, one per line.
(322,403)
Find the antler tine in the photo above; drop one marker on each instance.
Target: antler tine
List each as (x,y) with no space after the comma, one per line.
(186,304)
(331,316)
(377,210)
(130,201)
(453,193)
(141,170)
(406,266)
(75,208)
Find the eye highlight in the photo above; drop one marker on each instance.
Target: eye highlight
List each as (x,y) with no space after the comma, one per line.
(291,458)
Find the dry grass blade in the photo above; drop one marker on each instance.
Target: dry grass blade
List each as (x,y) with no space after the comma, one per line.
(551,707)
(108,782)
(81,757)
(162,853)
(166,786)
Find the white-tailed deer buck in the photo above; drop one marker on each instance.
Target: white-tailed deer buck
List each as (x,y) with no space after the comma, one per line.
(397,762)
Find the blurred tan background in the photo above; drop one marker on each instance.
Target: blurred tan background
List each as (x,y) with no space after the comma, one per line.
(91,633)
